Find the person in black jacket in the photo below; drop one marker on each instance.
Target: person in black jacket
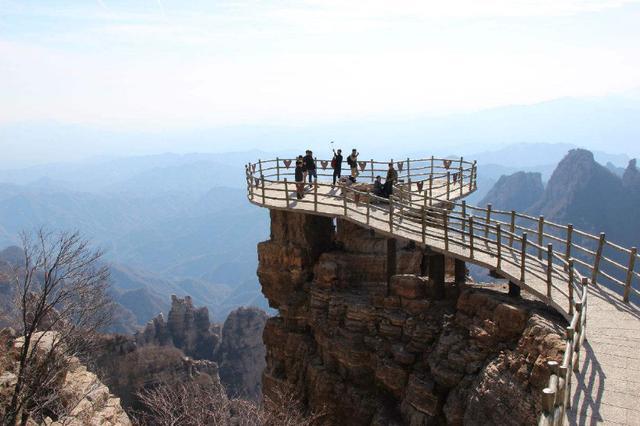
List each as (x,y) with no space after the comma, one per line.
(392,179)
(336,163)
(299,175)
(310,166)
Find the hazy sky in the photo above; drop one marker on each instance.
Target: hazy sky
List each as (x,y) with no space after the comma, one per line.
(160,64)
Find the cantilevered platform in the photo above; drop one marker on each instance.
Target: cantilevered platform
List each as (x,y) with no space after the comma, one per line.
(578,274)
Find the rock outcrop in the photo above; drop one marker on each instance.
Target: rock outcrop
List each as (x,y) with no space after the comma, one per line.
(129,369)
(518,191)
(187,328)
(241,353)
(367,352)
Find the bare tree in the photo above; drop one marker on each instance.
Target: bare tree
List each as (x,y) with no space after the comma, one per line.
(61,302)
(195,404)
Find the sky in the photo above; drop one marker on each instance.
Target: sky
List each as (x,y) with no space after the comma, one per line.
(160,65)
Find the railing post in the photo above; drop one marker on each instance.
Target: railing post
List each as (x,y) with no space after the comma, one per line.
(571,278)
(567,253)
(408,172)
(471,236)
(499,247)
(286,191)
(461,178)
(373,177)
(596,264)
(368,209)
(391,217)
(540,235)
(410,195)
(431,185)
(475,174)
(523,256)
(549,268)
(262,184)
(431,174)
(448,184)
(260,167)
(344,203)
(512,227)
(250,179)
(463,223)
(424,225)
(445,224)
(315,195)
(585,284)
(576,342)
(488,220)
(629,280)
(278,168)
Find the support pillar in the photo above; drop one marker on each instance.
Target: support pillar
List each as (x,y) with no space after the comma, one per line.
(436,274)
(514,290)
(460,272)
(391,259)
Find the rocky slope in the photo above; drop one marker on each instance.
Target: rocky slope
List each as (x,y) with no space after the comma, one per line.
(515,192)
(82,399)
(365,352)
(129,369)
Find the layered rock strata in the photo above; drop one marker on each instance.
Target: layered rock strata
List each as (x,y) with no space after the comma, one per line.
(365,349)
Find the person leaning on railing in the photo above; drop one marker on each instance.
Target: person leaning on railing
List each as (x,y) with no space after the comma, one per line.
(392,179)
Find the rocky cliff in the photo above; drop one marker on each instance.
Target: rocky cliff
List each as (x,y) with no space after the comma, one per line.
(241,353)
(187,328)
(236,347)
(367,352)
(515,192)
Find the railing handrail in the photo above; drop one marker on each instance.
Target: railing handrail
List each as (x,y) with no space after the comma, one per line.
(511,236)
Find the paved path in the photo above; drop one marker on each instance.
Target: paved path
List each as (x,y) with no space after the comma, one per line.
(608,385)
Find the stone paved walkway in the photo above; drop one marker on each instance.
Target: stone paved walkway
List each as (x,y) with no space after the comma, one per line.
(607,389)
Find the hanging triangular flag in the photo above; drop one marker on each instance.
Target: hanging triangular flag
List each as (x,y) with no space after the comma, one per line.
(257,181)
(447,164)
(400,165)
(363,164)
(287,163)
(455,177)
(253,168)
(324,164)
(420,184)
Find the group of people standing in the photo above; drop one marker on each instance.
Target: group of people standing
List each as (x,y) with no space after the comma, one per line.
(306,167)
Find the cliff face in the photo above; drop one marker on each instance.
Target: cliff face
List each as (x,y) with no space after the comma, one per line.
(515,192)
(241,353)
(366,352)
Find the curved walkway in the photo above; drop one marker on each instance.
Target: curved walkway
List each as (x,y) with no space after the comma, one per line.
(517,247)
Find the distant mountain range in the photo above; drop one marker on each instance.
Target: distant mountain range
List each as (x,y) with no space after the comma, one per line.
(597,123)
(170,224)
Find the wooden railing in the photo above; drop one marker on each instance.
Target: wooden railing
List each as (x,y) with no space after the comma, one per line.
(516,246)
